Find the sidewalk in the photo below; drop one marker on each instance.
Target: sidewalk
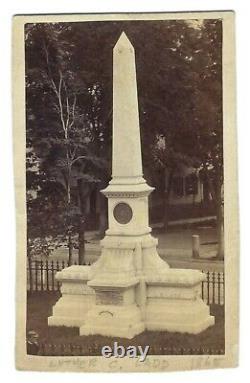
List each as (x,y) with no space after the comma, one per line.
(175,247)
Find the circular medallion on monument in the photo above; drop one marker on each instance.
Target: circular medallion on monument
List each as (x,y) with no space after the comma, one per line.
(123,213)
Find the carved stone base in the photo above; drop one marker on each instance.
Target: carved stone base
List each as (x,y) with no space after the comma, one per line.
(178,316)
(174,303)
(118,321)
(128,290)
(77,297)
(71,310)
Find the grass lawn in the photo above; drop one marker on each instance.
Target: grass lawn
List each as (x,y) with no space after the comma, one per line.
(39,307)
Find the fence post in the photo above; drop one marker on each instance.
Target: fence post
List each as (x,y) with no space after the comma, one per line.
(195,246)
(52,276)
(30,273)
(47,275)
(213,282)
(36,275)
(57,283)
(219,288)
(41,275)
(208,287)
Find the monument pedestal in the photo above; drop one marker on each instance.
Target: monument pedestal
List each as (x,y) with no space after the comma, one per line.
(77,297)
(116,312)
(123,321)
(174,303)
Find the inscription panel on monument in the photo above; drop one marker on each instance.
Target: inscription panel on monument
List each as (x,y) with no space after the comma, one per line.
(123,213)
(109,298)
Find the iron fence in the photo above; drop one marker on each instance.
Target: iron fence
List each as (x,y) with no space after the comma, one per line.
(41,277)
(213,288)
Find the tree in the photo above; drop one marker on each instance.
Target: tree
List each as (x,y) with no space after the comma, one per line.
(65,151)
(184,106)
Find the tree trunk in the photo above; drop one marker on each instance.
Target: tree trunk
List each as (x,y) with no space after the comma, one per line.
(103,221)
(215,191)
(82,222)
(219,229)
(70,246)
(68,181)
(166,199)
(219,215)
(81,241)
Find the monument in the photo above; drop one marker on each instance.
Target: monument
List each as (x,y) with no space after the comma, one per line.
(130,288)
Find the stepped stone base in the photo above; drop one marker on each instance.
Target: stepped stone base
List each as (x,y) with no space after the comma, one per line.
(175,316)
(77,297)
(118,321)
(105,307)
(174,303)
(128,290)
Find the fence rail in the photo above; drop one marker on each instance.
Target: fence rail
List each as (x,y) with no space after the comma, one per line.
(41,277)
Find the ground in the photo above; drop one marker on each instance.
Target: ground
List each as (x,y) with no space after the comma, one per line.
(66,341)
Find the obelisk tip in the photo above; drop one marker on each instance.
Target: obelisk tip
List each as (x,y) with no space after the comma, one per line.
(123,42)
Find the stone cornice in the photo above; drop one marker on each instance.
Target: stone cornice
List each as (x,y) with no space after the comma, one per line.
(177,277)
(127,188)
(74,273)
(127,194)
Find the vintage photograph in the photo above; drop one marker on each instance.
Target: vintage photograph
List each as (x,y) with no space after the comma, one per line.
(125,253)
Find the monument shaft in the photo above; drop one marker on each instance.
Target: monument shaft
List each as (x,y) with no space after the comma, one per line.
(126,159)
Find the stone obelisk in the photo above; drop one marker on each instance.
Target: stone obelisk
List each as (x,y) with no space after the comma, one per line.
(130,288)
(126,158)
(118,279)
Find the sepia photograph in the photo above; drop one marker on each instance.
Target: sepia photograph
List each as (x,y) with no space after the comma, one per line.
(124,244)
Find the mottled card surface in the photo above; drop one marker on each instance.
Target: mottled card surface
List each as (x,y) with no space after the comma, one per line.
(126,192)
